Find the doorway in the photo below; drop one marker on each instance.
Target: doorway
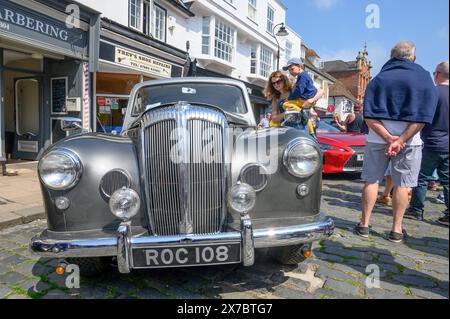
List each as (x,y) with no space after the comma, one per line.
(27,97)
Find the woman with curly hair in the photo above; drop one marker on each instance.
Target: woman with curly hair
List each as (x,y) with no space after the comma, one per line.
(277,90)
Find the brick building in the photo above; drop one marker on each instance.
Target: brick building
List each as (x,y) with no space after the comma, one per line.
(355,75)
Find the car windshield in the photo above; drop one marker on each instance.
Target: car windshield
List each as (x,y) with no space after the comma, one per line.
(227,97)
(325,127)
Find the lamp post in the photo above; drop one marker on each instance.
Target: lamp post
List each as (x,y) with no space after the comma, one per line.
(282,32)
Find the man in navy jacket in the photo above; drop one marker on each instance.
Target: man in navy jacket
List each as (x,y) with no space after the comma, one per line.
(398,103)
(435,151)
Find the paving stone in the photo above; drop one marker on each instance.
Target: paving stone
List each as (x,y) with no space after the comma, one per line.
(4,291)
(375,293)
(331,294)
(329,257)
(90,292)
(4,255)
(58,294)
(441,244)
(4,269)
(316,263)
(392,286)
(357,262)
(150,293)
(354,270)
(443,285)
(434,294)
(236,295)
(325,273)
(348,253)
(388,268)
(13,260)
(297,283)
(414,281)
(373,251)
(11,278)
(431,250)
(302,268)
(443,269)
(342,287)
(288,293)
(34,286)
(16,296)
(58,280)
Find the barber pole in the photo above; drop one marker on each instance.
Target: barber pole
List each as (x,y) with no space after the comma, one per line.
(86,99)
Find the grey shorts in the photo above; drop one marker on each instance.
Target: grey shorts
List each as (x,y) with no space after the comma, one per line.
(405,167)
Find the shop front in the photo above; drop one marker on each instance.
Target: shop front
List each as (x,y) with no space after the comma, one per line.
(127,58)
(44,73)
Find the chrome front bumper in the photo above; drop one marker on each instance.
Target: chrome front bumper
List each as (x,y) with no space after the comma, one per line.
(122,245)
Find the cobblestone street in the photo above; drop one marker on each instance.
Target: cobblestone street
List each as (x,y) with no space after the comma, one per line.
(416,269)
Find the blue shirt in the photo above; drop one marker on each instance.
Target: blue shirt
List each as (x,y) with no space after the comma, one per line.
(304,88)
(435,136)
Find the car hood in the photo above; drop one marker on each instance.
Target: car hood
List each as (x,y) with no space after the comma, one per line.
(345,139)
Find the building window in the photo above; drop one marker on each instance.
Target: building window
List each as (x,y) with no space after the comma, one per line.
(303,53)
(288,50)
(254,59)
(206,35)
(229,1)
(159,23)
(252,9)
(224,42)
(135,14)
(270,19)
(266,62)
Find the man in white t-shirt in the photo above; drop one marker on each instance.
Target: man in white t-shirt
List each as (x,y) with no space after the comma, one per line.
(395,141)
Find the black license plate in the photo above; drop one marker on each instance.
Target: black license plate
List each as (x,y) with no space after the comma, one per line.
(187,255)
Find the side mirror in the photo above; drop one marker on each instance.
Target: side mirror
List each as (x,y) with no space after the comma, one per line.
(70,124)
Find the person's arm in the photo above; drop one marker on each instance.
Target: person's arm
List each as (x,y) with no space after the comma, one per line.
(320,93)
(276,116)
(339,125)
(299,88)
(395,147)
(380,130)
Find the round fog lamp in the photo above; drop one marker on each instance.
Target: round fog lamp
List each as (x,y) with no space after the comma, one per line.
(242,197)
(124,203)
(62,203)
(302,190)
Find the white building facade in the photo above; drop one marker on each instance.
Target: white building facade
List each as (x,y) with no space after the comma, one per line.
(232,38)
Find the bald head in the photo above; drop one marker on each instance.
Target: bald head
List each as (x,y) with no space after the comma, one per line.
(404,50)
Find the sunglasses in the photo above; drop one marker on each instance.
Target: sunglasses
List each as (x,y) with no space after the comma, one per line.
(280,81)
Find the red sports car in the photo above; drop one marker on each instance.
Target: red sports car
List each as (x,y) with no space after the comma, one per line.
(343,152)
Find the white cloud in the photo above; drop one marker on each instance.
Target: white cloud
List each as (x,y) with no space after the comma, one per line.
(378,55)
(324,4)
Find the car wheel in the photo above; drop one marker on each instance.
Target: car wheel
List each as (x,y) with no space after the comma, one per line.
(290,255)
(90,267)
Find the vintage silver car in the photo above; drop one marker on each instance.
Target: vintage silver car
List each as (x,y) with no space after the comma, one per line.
(191,181)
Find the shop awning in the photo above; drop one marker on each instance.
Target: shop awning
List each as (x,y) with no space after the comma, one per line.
(259,100)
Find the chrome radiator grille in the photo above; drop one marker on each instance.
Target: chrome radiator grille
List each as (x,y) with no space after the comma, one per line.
(185,193)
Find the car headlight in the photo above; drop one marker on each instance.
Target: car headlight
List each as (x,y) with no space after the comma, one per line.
(60,169)
(125,203)
(241,197)
(302,158)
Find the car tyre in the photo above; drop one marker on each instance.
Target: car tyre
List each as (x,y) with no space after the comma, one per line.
(90,267)
(290,255)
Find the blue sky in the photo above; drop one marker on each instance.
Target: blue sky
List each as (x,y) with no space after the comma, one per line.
(337,29)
